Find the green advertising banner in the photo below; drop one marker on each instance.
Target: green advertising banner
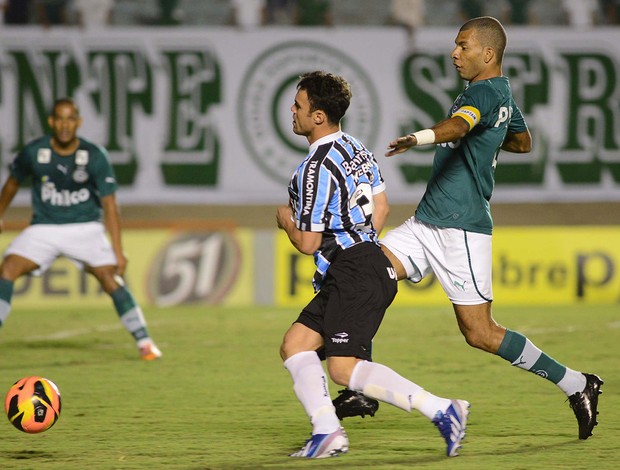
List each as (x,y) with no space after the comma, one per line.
(202,116)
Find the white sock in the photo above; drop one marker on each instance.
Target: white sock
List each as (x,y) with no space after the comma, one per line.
(572,382)
(310,386)
(133,319)
(382,383)
(5,309)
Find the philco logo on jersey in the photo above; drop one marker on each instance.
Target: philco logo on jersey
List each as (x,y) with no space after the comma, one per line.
(266,95)
(63,198)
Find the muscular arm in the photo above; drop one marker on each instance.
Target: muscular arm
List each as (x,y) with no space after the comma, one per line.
(380,212)
(448,130)
(520,142)
(9,190)
(305,242)
(112,220)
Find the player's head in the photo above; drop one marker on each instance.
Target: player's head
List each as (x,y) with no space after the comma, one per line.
(480,47)
(64,122)
(328,93)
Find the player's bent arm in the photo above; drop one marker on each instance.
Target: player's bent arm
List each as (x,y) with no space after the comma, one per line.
(112,220)
(9,190)
(518,142)
(381,211)
(305,242)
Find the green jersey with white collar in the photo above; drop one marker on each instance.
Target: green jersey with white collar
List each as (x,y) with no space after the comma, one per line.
(65,189)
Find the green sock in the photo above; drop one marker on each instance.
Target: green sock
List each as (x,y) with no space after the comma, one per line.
(520,352)
(6,292)
(130,313)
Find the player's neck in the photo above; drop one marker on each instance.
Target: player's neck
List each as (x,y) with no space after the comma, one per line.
(486,75)
(66,149)
(320,132)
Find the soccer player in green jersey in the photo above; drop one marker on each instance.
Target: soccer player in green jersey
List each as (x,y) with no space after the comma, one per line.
(73,186)
(450,233)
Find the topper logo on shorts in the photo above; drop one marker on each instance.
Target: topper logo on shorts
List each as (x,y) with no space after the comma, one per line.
(268,91)
(341,338)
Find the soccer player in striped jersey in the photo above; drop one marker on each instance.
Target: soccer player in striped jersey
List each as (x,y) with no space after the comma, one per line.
(73,185)
(450,233)
(337,203)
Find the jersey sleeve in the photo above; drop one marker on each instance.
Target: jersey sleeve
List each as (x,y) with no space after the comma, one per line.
(477,106)
(377,181)
(20,167)
(103,172)
(517,121)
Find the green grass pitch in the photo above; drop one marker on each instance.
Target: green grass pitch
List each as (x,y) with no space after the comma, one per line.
(221,399)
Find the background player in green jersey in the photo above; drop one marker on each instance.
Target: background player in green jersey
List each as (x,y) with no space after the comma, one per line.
(450,233)
(73,185)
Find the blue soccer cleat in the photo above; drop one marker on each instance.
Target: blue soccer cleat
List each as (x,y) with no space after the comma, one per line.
(452,424)
(324,445)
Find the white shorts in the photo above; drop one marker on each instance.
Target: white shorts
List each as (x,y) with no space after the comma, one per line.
(461,260)
(83,243)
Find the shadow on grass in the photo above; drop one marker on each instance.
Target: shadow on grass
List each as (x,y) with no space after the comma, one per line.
(27,455)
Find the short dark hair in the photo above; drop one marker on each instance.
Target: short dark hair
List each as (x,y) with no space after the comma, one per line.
(326,92)
(490,33)
(64,101)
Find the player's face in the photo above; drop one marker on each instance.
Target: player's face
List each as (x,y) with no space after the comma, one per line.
(468,55)
(302,116)
(64,123)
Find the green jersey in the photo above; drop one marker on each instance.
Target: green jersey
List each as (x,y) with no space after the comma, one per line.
(65,189)
(463,175)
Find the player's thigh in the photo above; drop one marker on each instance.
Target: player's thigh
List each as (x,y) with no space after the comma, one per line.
(462,263)
(15,266)
(36,244)
(364,288)
(404,244)
(299,338)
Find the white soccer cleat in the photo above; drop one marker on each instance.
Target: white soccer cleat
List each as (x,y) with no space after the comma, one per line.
(452,424)
(324,445)
(148,351)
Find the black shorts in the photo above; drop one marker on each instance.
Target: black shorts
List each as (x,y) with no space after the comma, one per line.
(347,311)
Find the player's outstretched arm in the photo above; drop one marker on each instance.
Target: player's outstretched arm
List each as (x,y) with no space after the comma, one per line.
(448,130)
(9,190)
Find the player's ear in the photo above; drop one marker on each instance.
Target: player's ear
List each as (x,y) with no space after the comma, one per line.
(319,117)
(489,53)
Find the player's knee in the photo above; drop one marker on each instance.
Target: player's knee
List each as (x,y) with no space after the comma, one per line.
(339,373)
(289,348)
(283,351)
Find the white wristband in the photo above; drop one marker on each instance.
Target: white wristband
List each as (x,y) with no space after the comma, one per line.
(424,137)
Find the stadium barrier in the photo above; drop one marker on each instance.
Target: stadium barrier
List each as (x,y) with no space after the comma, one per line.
(202,264)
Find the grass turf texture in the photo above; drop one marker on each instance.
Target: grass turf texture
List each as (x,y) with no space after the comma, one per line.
(220,398)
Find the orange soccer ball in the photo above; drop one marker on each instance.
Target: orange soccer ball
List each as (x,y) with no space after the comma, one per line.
(32,404)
